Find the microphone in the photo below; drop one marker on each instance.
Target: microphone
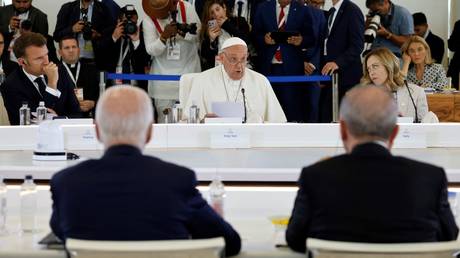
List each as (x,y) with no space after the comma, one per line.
(416,120)
(244,105)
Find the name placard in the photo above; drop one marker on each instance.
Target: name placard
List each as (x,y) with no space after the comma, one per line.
(411,136)
(230,138)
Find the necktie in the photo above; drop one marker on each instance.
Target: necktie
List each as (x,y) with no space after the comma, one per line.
(41,86)
(330,18)
(281,25)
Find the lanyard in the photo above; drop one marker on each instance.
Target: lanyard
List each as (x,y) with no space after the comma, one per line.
(77,74)
(182,13)
(122,55)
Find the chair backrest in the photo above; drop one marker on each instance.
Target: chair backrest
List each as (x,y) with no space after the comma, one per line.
(199,248)
(336,249)
(185,86)
(3,114)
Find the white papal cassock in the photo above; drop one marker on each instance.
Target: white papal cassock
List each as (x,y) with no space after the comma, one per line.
(214,85)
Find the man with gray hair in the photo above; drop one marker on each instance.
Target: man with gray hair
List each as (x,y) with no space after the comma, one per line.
(369,195)
(126,195)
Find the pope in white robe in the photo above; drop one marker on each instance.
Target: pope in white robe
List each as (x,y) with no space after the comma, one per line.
(224,83)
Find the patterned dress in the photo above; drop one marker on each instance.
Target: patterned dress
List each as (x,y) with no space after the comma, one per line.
(433,77)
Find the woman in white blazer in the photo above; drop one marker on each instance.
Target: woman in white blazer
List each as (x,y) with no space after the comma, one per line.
(381,68)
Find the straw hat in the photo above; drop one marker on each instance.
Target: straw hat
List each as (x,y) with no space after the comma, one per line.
(157,8)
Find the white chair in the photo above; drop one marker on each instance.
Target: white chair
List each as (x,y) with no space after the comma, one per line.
(185,86)
(199,248)
(336,249)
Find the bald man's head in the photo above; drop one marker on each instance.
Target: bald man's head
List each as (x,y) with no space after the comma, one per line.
(369,113)
(124,115)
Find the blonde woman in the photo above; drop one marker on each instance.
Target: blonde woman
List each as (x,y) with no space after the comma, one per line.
(419,67)
(381,68)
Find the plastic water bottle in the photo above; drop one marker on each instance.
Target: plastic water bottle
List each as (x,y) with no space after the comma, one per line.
(176,112)
(28,204)
(217,196)
(194,113)
(41,112)
(24,114)
(3,207)
(2,76)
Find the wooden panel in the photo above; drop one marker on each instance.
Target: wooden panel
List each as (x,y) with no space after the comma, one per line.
(457,108)
(443,106)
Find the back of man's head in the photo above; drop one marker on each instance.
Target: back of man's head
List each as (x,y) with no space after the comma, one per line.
(26,40)
(124,115)
(369,114)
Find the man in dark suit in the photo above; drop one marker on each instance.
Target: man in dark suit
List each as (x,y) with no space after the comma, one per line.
(368,195)
(454,46)
(284,57)
(37,80)
(84,76)
(125,51)
(72,18)
(129,196)
(342,48)
(436,43)
(12,15)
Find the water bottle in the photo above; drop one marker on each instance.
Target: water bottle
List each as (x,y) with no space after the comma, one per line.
(217,196)
(194,114)
(3,208)
(176,112)
(2,76)
(41,112)
(101,83)
(28,204)
(24,114)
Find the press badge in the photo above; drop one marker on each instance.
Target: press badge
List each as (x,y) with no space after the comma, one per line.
(88,46)
(173,52)
(118,70)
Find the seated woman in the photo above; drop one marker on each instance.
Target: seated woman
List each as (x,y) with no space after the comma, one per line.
(419,67)
(217,26)
(381,68)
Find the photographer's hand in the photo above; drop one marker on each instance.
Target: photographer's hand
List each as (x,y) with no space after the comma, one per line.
(78,26)
(118,32)
(14,23)
(169,31)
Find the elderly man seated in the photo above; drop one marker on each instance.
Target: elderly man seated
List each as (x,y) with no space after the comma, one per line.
(233,82)
(126,195)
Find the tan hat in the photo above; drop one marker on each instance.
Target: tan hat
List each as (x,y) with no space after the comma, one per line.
(157,8)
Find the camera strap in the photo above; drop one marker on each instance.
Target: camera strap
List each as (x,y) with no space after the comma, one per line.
(182,14)
(122,55)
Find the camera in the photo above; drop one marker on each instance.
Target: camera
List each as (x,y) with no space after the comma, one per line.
(26,25)
(371,31)
(184,27)
(87,26)
(129,26)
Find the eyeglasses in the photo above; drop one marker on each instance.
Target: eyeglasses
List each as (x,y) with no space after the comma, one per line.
(235,61)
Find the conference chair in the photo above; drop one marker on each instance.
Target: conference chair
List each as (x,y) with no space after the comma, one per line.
(336,249)
(185,86)
(197,248)
(3,114)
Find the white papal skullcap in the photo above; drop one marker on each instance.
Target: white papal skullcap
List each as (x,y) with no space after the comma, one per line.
(234,41)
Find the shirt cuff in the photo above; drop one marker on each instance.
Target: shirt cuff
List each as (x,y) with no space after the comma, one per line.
(53,92)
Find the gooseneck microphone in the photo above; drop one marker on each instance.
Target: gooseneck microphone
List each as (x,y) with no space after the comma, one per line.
(416,120)
(244,105)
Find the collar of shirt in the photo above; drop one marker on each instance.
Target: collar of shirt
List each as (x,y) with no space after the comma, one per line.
(381,143)
(426,33)
(337,8)
(32,78)
(286,11)
(90,10)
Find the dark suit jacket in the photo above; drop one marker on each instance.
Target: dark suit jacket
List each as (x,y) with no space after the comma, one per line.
(345,44)
(313,54)
(38,18)
(371,196)
(69,14)
(299,19)
(18,88)
(454,46)
(436,46)
(128,196)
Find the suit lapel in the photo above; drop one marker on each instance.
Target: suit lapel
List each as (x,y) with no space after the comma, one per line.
(339,16)
(29,87)
(272,19)
(291,16)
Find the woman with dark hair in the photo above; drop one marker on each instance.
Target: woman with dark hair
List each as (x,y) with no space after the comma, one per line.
(217,26)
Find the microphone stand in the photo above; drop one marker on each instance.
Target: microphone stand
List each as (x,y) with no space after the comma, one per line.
(244,105)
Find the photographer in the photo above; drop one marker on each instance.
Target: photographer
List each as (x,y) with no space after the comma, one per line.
(12,15)
(125,50)
(88,20)
(396,24)
(170,34)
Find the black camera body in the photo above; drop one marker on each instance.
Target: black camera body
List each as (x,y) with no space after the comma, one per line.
(129,26)
(184,27)
(87,26)
(26,25)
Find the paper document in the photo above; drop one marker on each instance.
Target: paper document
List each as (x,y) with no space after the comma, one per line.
(228,109)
